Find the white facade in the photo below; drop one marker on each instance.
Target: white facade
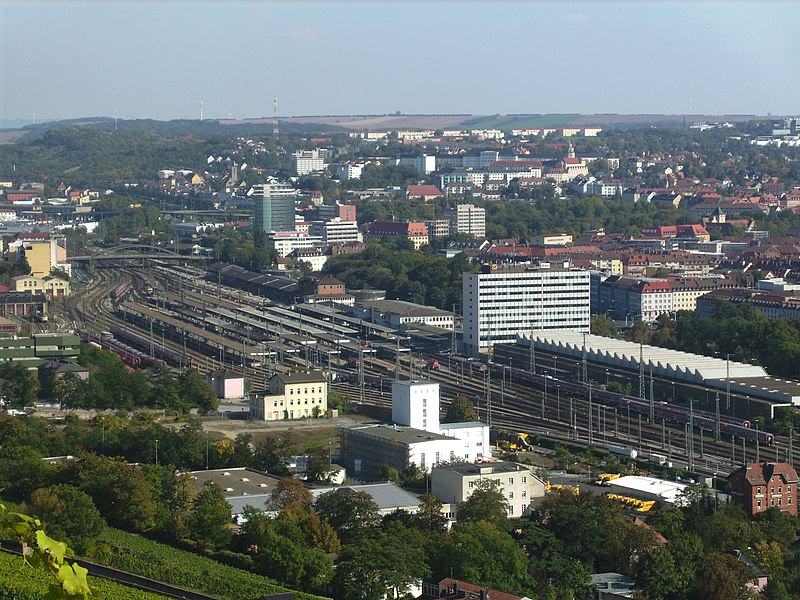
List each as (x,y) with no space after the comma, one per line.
(308,161)
(416,404)
(423,163)
(455,483)
(475,437)
(501,304)
(286,243)
(336,231)
(469,219)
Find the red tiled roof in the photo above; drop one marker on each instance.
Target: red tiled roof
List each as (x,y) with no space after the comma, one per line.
(423,190)
(761,473)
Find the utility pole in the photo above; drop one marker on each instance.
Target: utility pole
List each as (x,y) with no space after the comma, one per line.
(585,365)
(590,413)
(361,374)
(397,361)
(488,395)
(716,418)
(690,437)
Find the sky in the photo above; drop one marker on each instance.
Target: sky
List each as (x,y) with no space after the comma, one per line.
(162,59)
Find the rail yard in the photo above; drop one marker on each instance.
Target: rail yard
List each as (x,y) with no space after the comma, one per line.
(177,316)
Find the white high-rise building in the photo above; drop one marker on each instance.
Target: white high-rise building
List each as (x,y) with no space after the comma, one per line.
(469,219)
(308,161)
(416,404)
(502,302)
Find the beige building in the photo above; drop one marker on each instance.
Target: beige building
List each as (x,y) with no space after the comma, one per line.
(43,255)
(455,483)
(291,396)
(52,286)
(551,239)
(469,219)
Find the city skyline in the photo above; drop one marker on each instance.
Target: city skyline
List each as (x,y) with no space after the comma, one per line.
(167,60)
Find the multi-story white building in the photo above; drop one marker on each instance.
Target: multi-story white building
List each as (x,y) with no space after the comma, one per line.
(423,163)
(414,437)
(455,483)
(469,219)
(502,302)
(336,231)
(440,228)
(308,161)
(286,242)
(349,169)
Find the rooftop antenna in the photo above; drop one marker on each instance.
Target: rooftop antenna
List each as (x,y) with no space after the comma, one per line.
(201,111)
(115,118)
(275,117)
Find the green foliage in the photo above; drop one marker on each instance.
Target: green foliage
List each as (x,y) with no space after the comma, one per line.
(350,513)
(481,552)
(139,555)
(404,274)
(48,556)
(68,513)
(210,519)
(20,385)
(461,410)
(602,326)
(486,503)
(379,564)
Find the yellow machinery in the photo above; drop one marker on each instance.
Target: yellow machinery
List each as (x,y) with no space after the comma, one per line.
(557,486)
(604,478)
(634,503)
(513,442)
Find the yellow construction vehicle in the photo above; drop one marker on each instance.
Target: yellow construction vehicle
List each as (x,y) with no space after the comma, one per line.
(604,479)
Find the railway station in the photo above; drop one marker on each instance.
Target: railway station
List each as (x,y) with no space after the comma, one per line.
(744,390)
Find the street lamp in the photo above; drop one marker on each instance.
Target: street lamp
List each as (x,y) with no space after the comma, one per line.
(673,392)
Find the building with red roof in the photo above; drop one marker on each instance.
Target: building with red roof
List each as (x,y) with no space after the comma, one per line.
(426,192)
(761,486)
(415,231)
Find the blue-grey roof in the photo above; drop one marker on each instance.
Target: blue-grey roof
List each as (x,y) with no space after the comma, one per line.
(387,496)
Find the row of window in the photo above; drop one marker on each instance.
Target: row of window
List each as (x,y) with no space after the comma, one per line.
(305,391)
(524,479)
(772,489)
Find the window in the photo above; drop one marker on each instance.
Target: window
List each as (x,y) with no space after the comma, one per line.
(510,481)
(472,485)
(779,490)
(759,504)
(524,493)
(437,458)
(758,490)
(789,501)
(422,460)
(524,508)
(524,479)
(510,495)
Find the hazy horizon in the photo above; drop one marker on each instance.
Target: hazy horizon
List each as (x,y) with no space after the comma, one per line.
(160,60)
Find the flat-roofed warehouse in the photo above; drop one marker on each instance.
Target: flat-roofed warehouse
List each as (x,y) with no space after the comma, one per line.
(676,375)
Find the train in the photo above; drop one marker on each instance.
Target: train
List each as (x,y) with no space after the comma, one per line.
(130,356)
(119,291)
(741,428)
(173,357)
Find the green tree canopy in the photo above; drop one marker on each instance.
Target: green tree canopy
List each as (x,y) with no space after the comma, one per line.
(461,410)
(486,503)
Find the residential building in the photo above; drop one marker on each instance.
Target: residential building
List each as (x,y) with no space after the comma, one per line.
(455,483)
(425,192)
(455,589)
(291,396)
(468,219)
(273,205)
(414,231)
(551,239)
(315,258)
(349,169)
(775,305)
(344,212)
(761,486)
(501,302)
(440,228)
(305,162)
(423,164)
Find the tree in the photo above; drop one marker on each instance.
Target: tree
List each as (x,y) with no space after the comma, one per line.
(486,503)
(120,491)
(68,513)
(461,410)
(720,577)
(430,516)
(270,456)
(20,386)
(210,519)
(380,564)
(603,326)
(482,553)
(656,574)
(290,495)
(196,391)
(348,511)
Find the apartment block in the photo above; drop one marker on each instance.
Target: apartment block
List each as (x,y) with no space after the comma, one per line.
(468,219)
